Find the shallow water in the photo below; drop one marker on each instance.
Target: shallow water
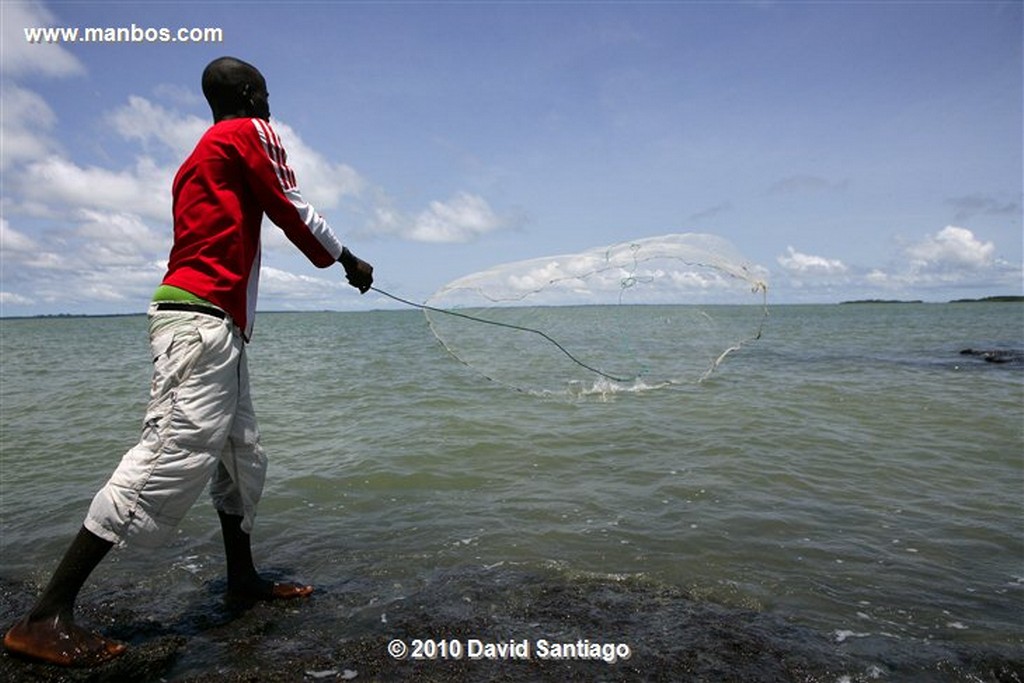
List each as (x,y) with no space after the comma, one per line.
(844,492)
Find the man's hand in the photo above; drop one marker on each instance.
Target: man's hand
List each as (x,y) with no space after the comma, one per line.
(358,272)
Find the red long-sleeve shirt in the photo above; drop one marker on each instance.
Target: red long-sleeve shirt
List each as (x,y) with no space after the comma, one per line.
(237,173)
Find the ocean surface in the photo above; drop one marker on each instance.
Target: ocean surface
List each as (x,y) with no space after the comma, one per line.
(841,500)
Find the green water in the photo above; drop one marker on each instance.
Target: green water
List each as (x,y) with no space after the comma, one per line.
(850,472)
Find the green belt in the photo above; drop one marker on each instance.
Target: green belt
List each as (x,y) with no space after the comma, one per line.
(171,293)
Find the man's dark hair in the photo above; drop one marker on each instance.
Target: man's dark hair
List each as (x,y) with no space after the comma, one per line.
(233,87)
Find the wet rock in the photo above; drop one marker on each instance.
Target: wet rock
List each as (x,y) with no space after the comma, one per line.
(343,632)
(1014,356)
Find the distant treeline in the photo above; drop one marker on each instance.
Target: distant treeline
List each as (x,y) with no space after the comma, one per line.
(882,301)
(45,316)
(987,299)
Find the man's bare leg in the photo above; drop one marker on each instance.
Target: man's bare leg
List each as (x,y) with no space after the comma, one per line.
(49,632)
(244,582)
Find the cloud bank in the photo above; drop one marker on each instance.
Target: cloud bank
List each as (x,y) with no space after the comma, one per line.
(87,229)
(89,232)
(953,257)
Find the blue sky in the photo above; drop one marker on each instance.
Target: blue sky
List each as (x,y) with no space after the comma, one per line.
(848,149)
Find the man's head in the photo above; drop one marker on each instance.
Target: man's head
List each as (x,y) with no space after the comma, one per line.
(235,89)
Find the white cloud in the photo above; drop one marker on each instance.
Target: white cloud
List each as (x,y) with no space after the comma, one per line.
(281,288)
(56,185)
(87,232)
(18,57)
(323,183)
(878,278)
(14,299)
(118,239)
(807,264)
(100,257)
(952,248)
(385,216)
(25,124)
(145,122)
(89,240)
(460,219)
(49,261)
(938,264)
(536,278)
(115,283)
(698,280)
(80,275)
(13,241)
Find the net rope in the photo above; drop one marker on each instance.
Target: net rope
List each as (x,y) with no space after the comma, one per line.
(636,315)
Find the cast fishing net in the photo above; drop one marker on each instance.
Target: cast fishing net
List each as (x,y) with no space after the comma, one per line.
(641,314)
(637,315)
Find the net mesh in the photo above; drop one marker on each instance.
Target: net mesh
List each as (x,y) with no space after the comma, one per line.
(636,315)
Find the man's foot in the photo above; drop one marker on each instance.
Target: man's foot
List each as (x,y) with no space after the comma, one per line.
(59,641)
(261,589)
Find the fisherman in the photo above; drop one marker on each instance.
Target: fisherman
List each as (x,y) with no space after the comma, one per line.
(200,426)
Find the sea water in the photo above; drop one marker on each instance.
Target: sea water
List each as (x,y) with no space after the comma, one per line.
(850,475)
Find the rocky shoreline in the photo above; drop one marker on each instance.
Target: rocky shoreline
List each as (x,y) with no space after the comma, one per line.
(335,637)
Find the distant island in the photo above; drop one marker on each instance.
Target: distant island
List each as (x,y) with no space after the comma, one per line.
(1008,298)
(882,301)
(988,299)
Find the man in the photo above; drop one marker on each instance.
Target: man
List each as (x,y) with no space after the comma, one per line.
(200,422)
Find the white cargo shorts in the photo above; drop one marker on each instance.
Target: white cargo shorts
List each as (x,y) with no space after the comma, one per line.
(199,425)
